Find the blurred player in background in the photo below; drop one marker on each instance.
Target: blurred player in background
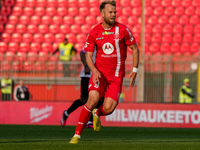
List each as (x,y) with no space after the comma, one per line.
(85,77)
(111,40)
(66,50)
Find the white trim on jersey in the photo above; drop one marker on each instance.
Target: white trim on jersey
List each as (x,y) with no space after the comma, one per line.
(118,51)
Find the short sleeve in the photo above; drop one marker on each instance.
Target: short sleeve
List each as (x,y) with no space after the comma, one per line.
(129,38)
(90,44)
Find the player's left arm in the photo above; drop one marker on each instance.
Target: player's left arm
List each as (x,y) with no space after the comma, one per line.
(135,54)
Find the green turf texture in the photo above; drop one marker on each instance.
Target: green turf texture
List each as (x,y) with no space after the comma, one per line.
(35,137)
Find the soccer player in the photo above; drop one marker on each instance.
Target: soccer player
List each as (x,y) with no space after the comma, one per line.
(111,40)
(85,77)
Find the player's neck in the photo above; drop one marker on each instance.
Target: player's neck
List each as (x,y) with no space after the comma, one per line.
(106,26)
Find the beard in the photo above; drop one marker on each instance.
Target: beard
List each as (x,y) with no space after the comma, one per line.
(108,21)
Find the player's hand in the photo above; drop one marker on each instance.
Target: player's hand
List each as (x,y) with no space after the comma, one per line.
(96,76)
(132,76)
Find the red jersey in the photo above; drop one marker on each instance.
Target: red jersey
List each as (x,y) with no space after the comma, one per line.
(111,48)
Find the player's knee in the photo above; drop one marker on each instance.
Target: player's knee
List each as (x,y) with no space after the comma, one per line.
(91,103)
(109,109)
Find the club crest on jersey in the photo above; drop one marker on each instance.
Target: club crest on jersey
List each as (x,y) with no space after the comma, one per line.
(107,33)
(108,48)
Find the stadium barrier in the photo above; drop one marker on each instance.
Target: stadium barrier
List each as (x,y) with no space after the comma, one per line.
(126,114)
(43,74)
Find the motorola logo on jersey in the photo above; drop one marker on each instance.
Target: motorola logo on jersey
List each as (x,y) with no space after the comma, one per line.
(108,48)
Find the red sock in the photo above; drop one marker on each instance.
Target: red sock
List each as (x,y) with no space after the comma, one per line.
(100,111)
(83,119)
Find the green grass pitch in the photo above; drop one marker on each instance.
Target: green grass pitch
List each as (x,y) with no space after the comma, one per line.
(35,137)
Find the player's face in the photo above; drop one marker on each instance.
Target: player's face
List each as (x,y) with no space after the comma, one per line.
(109,14)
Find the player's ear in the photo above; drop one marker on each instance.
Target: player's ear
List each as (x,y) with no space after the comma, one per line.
(102,13)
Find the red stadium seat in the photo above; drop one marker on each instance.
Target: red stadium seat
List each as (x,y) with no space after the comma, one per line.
(3,47)
(39,11)
(167,37)
(75,29)
(157,28)
(68,20)
(155,3)
(165,48)
(59,37)
(188,28)
(194,19)
(184,19)
(189,10)
(46,47)
(28,65)
(91,20)
(176,3)
(46,20)
(61,11)
(127,11)
(136,3)
(31,28)
(16,37)
(196,37)
(179,11)
(3,19)
(28,11)
(1,29)
(84,11)
(50,11)
(24,19)
(197,28)
(71,37)
(94,11)
(31,3)
(72,3)
(85,28)
(169,11)
(177,38)
(186,3)
(136,28)
(197,10)
(187,37)
(54,28)
(6,10)
(13,47)
(167,28)
(27,37)
(73,11)
(35,20)
(125,3)
(194,47)
(93,3)
(83,3)
(136,11)
(177,28)
(159,11)
(153,20)
(49,38)
(147,38)
(17,11)
(166,3)
(79,47)
(163,20)
(148,11)
(195,3)
(81,38)
(40,66)
(20,3)
(132,20)
(24,47)
(99,19)
(175,47)
(122,19)
(137,37)
(79,20)
(21,28)
(185,47)
(64,28)
(61,3)
(42,28)
(5,37)
(119,11)
(35,47)
(13,19)
(9,28)
(173,20)
(148,28)
(154,47)
(41,3)
(51,3)
(57,20)
(38,37)
(156,37)
(54,47)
